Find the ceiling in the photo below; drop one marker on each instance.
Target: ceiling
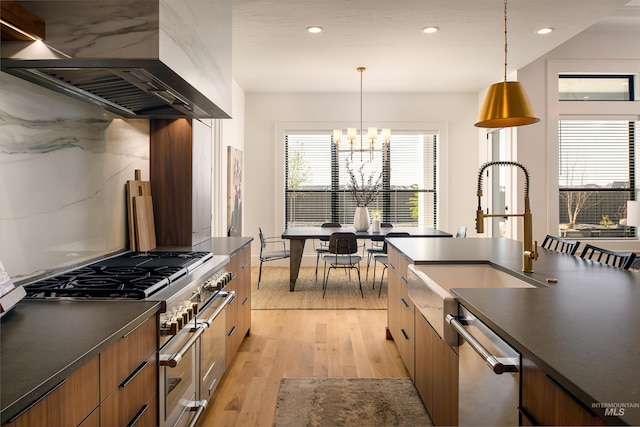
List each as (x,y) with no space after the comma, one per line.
(273,52)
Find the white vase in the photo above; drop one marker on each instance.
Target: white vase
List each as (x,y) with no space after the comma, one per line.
(361,219)
(375,225)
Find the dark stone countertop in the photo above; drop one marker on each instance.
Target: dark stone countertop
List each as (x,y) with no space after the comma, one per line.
(224,245)
(43,342)
(584,331)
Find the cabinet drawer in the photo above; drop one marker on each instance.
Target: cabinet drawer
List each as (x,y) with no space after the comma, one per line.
(407,320)
(133,399)
(124,356)
(545,402)
(62,405)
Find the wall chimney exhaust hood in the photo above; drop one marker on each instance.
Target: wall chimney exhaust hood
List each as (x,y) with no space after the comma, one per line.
(144,59)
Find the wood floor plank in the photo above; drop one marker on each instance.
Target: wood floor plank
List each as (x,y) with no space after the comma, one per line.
(299,343)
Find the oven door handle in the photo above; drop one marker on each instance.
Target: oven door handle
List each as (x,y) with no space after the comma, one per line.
(172,360)
(228,297)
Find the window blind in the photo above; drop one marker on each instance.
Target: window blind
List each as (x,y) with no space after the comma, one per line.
(596,175)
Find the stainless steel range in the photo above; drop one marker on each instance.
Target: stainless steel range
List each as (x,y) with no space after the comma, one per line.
(192,323)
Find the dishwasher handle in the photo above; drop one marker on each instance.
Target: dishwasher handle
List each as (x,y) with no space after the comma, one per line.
(497,365)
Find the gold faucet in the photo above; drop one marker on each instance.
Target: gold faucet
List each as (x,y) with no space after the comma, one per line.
(530,250)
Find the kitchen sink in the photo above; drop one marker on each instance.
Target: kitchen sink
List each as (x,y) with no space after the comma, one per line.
(429,287)
(447,276)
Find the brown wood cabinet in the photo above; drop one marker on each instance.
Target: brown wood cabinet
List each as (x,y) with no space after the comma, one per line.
(239,310)
(436,373)
(401,309)
(116,388)
(545,402)
(129,378)
(181,180)
(67,404)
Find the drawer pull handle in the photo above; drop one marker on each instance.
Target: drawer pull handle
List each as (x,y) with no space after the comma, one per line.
(406,337)
(404,302)
(527,416)
(138,415)
(245,265)
(244,301)
(404,279)
(35,402)
(232,331)
(133,374)
(569,395)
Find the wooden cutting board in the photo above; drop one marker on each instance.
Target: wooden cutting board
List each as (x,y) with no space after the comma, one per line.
(135,188)
(145,234)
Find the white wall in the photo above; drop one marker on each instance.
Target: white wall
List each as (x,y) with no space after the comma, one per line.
(227,133)
(537,144)
(266,111)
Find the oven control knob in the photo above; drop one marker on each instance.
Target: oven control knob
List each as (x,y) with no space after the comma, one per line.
(173,328)
(194,308)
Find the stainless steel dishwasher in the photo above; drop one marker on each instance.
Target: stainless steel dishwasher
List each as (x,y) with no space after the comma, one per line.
(489,378)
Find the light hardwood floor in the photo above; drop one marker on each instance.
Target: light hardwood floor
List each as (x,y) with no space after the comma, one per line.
(299,343)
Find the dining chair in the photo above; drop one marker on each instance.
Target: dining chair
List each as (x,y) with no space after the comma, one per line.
(377,242)
(281,251)
(323,246)
(620,260)
(560,245)
(343,253)
(383,258)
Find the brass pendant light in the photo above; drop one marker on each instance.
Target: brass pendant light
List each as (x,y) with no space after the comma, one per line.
(506,103)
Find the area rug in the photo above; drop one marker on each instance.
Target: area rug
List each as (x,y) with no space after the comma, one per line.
(349,402)
(342,293)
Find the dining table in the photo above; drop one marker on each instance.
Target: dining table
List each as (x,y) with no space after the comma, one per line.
(297,237)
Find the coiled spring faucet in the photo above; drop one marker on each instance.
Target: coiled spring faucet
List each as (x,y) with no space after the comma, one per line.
(530,250)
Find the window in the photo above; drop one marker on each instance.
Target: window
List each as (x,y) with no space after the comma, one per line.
(316,184)
(597,87)
(596,177)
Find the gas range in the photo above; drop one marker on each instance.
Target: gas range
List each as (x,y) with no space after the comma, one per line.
(192,320)
(131,275)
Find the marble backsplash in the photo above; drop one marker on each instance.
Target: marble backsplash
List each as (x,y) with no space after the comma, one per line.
(63,169)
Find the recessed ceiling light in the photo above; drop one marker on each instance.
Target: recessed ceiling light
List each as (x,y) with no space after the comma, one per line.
(430,29)
(544,30)
(314,29)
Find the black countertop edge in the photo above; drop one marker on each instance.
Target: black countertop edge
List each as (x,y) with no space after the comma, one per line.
(9,410)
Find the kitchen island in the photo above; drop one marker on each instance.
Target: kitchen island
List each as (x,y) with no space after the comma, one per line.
(583,330)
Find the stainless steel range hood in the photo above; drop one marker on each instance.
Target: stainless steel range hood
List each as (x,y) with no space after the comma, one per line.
(127,87)
(143,59)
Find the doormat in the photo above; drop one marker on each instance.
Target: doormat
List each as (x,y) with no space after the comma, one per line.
(349,402)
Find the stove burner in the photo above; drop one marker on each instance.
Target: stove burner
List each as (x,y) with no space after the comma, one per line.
(95,282)
(130,275)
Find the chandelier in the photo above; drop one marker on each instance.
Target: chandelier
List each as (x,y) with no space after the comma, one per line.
(506,103)
(371,136)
